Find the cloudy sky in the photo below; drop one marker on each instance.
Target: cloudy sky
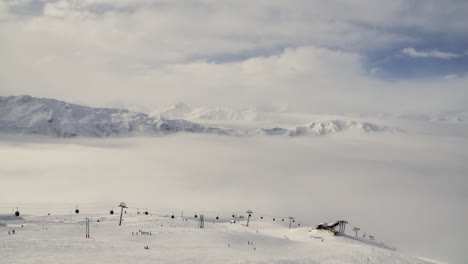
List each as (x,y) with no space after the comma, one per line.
(317,56)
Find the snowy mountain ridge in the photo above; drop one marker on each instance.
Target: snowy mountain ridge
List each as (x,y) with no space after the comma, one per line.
(320,128)
(30,115)
(184,111)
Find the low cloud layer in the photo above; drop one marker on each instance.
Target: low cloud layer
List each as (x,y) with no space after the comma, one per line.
(401,188)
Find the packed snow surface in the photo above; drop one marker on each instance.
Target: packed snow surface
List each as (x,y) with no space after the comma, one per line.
(29,115)
(61,239)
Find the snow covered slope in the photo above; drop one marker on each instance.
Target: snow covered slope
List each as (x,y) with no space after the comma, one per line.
(26,114)
(59,239)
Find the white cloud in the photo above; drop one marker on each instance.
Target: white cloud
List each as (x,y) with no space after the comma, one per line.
(375,70)
(430,54)
(57,9)
(450,76)
(5,11)
(299,53)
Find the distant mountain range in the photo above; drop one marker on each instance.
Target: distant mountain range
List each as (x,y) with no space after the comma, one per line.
(320,128)
(30,115)
(184,111)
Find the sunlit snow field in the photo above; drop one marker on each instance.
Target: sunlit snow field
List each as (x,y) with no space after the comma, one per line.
(61,239)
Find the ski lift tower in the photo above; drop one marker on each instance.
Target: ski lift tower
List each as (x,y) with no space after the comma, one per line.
(356,229)
(249,212)
(122,205)
(290,220)
(342,225)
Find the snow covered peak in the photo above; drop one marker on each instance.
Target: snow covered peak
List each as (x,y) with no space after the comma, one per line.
(334,126)
(29,115)
(326,127)
(184,111)
(177,111)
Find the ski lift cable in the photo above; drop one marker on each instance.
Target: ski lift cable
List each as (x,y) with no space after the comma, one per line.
(101,205)
(53,203)
(97,206)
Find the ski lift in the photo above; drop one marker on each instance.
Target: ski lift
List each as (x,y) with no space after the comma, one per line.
(76,210)
(17,213)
